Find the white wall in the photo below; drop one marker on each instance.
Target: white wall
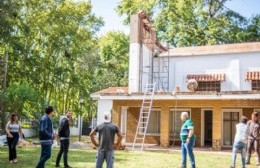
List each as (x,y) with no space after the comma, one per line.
(138,77)
(235,67)
(29,132)
(134,60)
(74,131)
(146,66)
(103,106)
(2,140)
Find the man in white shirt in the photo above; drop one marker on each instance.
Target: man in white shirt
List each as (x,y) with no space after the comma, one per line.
(240,141)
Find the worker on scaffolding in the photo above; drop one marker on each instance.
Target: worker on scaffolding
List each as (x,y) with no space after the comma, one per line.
(188,140)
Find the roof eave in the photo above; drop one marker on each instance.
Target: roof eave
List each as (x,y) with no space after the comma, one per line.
(180,97)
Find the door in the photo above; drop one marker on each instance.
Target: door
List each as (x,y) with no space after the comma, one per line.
(208,128)
(230,119)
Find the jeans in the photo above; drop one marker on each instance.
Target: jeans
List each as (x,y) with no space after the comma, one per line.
(252,144)
(188,148)
(45,155)
(105,155)
(12,142)
(64,149)
(239,146)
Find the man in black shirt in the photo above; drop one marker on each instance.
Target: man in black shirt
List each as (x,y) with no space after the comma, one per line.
(64,135)
(106,135)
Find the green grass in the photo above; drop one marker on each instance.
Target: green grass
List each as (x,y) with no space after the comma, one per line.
(28,158)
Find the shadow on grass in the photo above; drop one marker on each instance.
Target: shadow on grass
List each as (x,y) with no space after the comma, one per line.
(28,158)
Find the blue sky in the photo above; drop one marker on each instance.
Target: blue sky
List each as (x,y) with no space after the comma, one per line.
(106,9)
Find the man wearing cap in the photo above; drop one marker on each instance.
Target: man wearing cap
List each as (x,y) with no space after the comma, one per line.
(240,142)
(106,135)
(253,138)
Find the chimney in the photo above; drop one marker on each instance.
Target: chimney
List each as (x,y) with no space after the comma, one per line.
(134,56)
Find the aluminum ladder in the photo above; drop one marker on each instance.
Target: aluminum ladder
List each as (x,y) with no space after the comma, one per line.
(144,117)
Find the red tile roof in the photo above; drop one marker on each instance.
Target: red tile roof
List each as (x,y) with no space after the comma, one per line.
(253,75)
(113,90)
(207,77)
(214,49)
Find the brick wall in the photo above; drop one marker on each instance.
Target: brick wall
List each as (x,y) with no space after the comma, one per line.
(165,126)
(132,120)
(196,118)
(195,105)
(248,112)
(217,127)
(116,113)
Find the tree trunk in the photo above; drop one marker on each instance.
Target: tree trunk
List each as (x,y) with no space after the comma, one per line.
(2,112)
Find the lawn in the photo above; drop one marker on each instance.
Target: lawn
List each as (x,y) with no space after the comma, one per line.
(29,156)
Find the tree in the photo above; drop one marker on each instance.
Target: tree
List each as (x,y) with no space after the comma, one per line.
(47,41)
(55,53)
(114,53)
(8,15)
(253,30)
(193,23)
(20,96)
(20,99)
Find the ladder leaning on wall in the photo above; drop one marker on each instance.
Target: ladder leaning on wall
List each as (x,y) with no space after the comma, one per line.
(145,112)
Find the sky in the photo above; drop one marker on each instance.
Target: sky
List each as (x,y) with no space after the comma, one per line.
(106,9)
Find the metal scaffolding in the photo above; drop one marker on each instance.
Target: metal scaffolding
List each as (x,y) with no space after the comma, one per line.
(157,70)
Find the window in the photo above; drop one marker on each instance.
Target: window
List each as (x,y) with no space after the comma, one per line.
(256,85)
(209,86)
(176,123)
(208,82)
(230,119)
(154,124)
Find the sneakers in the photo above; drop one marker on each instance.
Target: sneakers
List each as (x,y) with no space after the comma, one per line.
(11,161)
(15,160)
(234,167)
(68,166)
(186,167)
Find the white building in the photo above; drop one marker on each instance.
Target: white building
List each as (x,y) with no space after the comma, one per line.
(228,79)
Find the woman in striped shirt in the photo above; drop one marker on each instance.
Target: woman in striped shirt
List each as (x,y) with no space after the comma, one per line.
(13,129)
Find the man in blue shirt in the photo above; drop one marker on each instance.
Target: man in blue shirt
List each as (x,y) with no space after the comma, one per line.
(46,136)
